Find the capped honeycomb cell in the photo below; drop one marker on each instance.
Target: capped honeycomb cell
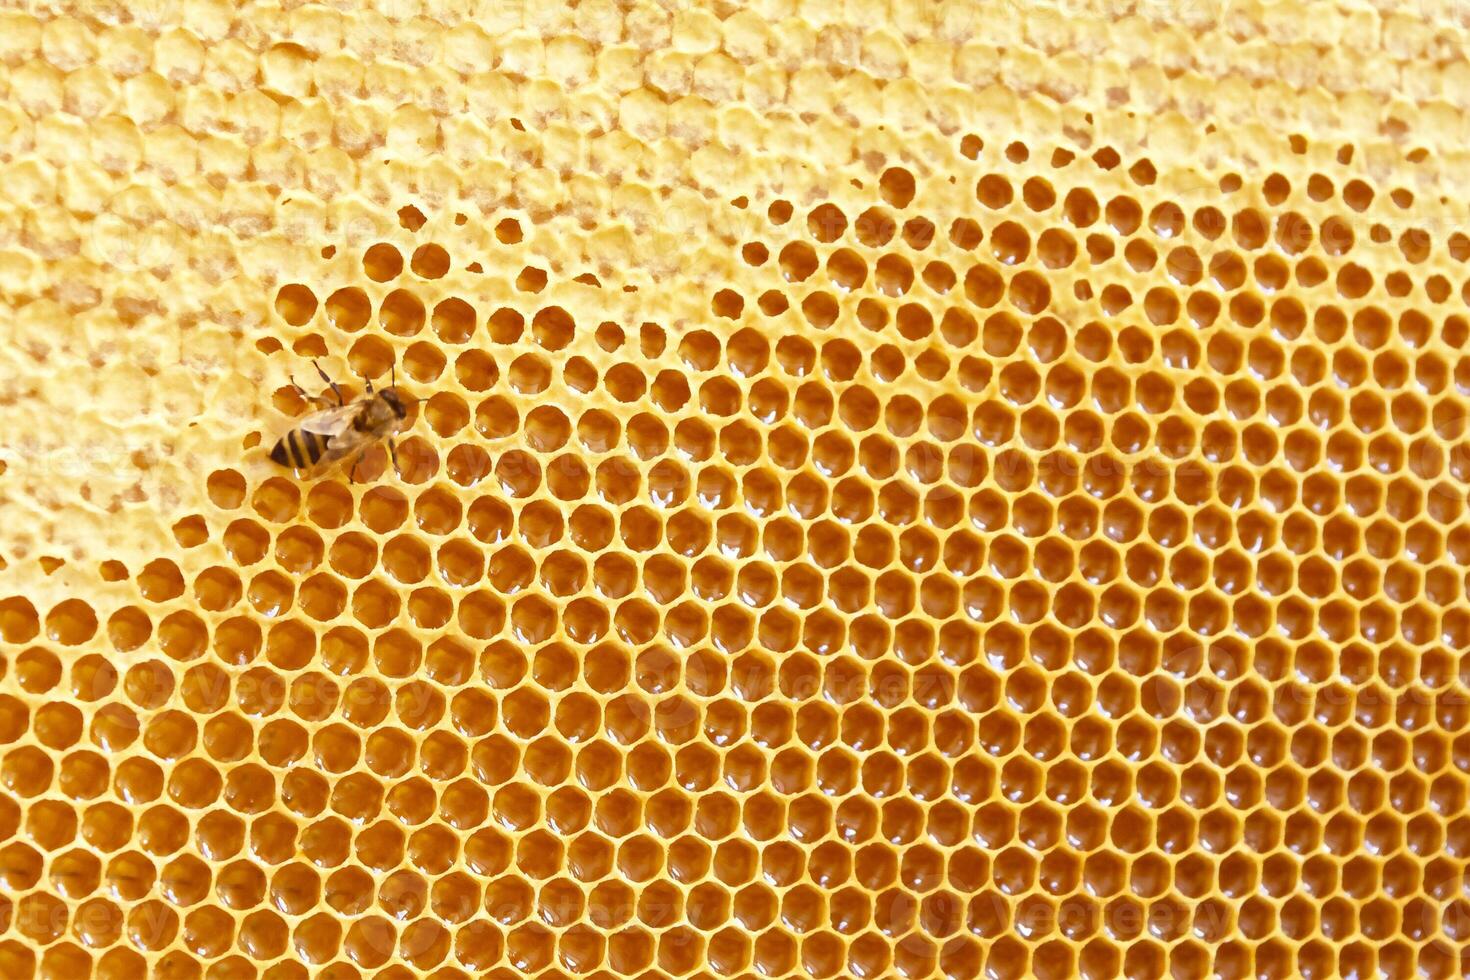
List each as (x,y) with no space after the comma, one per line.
(951,491)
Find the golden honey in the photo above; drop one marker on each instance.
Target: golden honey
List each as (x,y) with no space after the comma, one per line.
(921,490)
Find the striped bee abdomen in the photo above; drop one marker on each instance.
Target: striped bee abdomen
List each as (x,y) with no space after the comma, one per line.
(300,449)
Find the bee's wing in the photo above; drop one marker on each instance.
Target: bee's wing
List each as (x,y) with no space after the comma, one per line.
(341,446)
(343,438)
(330,422)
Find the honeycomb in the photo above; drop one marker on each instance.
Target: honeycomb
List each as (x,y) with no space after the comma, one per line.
(898,489)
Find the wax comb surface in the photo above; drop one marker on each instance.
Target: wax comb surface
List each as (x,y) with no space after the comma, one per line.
(900,490)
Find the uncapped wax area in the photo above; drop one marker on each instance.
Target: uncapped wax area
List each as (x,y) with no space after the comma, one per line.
(897,490)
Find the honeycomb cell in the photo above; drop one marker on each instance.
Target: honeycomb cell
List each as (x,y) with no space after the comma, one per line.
(401,313)
(296,304)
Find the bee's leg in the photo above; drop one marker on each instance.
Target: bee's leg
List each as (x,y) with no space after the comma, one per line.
(393,454)
(330,383)
(309,399)
(352,470)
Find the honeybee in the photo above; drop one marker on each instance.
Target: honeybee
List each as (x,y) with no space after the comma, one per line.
(333,433)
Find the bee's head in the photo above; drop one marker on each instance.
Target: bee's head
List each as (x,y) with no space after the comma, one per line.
(395,402)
